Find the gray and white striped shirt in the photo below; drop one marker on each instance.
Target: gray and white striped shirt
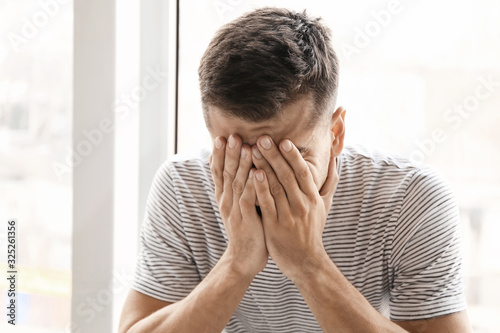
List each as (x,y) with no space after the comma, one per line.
(393,230)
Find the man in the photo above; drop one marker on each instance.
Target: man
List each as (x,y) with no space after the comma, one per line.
(281,229)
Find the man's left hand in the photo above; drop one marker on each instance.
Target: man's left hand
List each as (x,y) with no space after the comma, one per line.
(293,210)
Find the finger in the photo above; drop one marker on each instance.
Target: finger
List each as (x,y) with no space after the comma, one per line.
(328,189)
(231,162)
(217,165)
(301,170)
(274,185)
(248,200)
(266,200)
(242,173)
(282,169)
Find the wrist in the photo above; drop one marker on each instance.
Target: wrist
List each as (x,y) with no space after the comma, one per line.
(311,267)
(236,266)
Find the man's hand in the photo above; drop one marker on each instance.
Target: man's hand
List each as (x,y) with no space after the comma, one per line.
(294,211)
(231,167)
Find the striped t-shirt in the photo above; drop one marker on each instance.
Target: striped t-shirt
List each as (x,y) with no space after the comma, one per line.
(393,230)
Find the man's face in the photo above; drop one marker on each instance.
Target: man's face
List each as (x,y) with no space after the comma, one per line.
(314,142)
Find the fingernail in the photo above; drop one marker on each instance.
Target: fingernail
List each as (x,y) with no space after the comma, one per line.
(251,173)
(286,145)
(232,142)
(265,142)
(256,153)
(218,143)
(243,153)
(259,176)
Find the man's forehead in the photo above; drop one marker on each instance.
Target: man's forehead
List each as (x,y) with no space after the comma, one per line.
(292,122)
(278,128)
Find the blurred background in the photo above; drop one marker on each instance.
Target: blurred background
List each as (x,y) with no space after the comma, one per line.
(418,78)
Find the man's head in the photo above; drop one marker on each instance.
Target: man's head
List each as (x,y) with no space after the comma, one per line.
(274,72)
(265,60)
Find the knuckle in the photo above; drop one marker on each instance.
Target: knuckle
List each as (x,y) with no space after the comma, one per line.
(276,189)
(231,220)
(266,206)
(238,187)
(215,172)
(228,176)
(301,209)
(289,177)
(225,206)
(244,203)
(304,173)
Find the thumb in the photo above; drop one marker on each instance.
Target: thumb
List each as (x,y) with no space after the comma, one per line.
(248,200)
(328,189)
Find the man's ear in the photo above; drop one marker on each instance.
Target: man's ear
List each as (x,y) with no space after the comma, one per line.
(337,130)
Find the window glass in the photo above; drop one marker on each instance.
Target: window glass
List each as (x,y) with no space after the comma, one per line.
(35,169)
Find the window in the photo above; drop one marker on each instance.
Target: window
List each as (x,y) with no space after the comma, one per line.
(35,138)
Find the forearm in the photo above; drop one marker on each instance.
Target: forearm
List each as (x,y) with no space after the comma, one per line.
(207,308)
(336,304)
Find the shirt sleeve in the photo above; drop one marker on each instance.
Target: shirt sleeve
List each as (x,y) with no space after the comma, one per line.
(165,267)
(426,262)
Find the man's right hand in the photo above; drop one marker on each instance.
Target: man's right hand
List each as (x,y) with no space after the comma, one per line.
(231,167)
(225,285)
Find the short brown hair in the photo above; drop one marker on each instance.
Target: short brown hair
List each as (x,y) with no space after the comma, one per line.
(266,59)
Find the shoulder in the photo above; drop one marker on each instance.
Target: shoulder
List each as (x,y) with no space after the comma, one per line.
(360,156)
(423,186)
(428,220)
(185,167)
(429,203)
(375,170)
(184,179)
(415,190)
